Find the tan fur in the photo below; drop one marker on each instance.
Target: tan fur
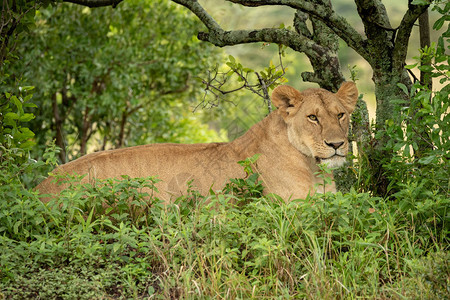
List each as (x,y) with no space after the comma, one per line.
(289,141)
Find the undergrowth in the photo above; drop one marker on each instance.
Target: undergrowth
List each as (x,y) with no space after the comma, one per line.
(330,246)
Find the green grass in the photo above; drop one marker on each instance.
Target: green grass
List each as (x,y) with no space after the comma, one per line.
(223,246)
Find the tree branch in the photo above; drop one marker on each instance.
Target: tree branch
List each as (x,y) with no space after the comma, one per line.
(218,37)
(404,32)
(323,12)
(320,45)
(200,12)
(331,77)
(286,37)
(95,3)
(374,16)
(300,26)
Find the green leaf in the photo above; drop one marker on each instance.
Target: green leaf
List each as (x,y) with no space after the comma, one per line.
(425,68)
(427,160)
(16,227)
(439,22)
(30,104)
(26,117)
(11,116)
(26,133)
(403,88)
(116,247)
(26,88)
(27,145)
(253,178)
(409,67)
(27,98)
(16,102)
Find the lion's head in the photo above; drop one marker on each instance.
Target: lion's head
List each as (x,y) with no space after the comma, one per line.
(317,120)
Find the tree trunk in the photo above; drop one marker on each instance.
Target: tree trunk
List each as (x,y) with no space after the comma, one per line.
(386,90)
(123,122)
(59,137)
(425,41)
(84,134)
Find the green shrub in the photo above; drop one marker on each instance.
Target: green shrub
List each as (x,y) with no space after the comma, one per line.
(325,247)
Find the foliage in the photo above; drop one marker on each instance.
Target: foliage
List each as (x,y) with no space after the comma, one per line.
(13,117)
(16,142)
(15,101)
(236,77)
(118,84)
(249,187)
(432,273)
(426,121)
(17,20)
(325,247)
(72,282)
(417,136)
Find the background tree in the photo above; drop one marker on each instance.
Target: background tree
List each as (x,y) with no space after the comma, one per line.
(118,84)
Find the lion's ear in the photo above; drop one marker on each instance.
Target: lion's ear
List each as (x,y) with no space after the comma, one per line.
(348,94)
(284,97)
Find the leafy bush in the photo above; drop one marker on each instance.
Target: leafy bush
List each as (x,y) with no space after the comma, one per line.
(249,187)
(422,140)
(117,85)
(15,137)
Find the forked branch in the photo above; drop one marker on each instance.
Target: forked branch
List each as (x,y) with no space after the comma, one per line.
(216,83)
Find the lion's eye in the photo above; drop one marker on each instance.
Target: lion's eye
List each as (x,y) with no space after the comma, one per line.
(313,118)
(340,116)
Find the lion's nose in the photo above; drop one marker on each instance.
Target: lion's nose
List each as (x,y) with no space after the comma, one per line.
(335,146)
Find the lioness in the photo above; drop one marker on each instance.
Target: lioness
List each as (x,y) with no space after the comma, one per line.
(308,128)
